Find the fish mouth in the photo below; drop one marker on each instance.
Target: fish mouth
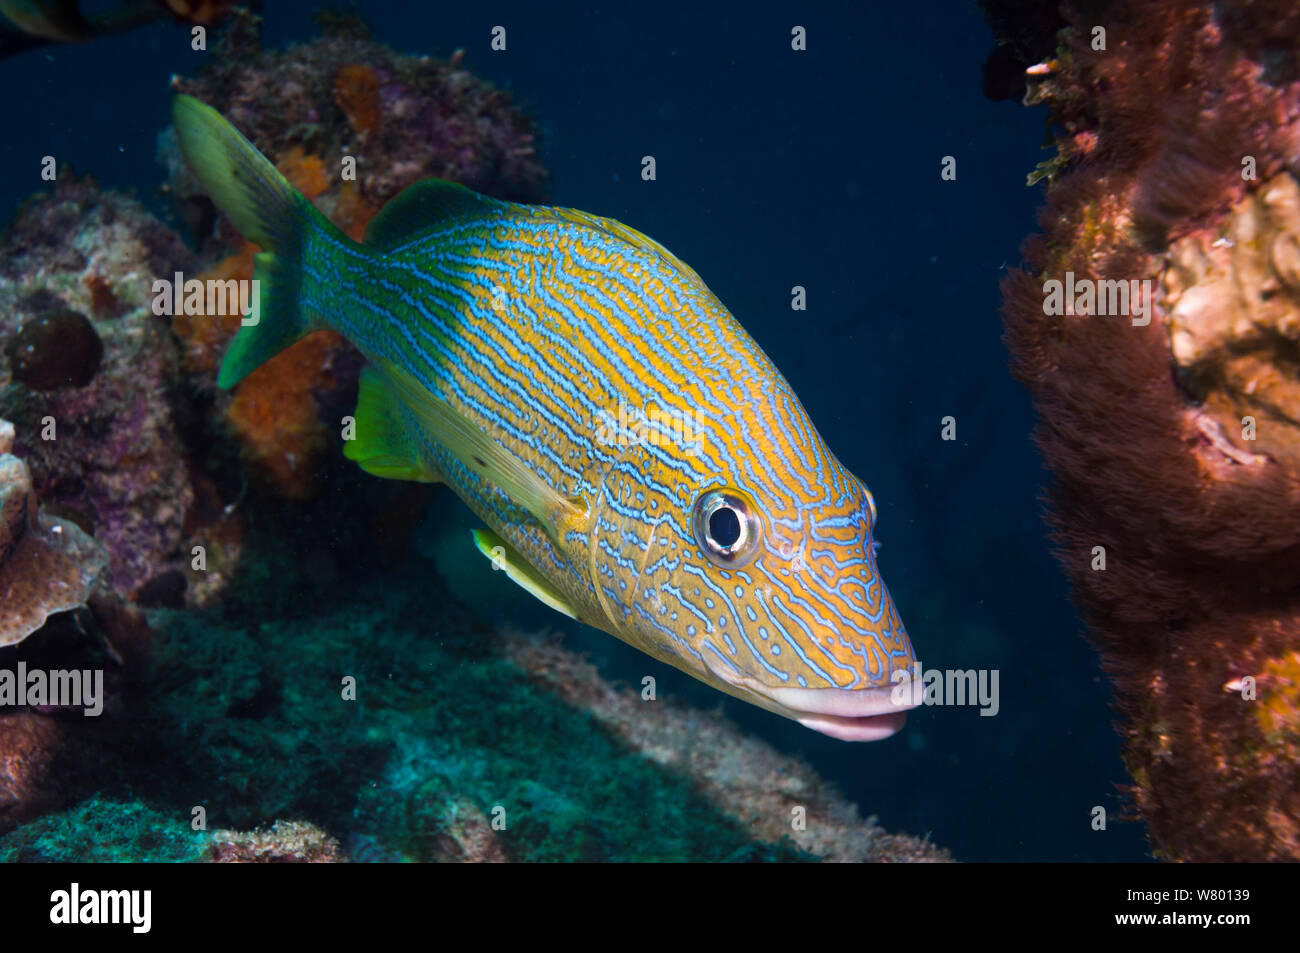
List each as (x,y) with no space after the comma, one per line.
(849,714)
(864,714)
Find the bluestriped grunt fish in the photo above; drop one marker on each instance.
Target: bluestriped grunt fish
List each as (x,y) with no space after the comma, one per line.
(638,461)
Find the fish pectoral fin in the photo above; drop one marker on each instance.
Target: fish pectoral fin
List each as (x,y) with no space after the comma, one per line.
(520,570)
(382,444)
(482,455)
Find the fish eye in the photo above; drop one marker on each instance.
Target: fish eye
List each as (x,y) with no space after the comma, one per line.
(727,528)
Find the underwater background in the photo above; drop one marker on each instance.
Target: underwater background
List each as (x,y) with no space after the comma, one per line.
(820,169)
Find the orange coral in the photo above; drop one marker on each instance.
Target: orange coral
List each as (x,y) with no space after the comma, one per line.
(204,336)
(274,412)
(352,212)
(306,172)
(356,90)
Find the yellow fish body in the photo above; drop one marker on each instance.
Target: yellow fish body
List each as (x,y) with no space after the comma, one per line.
(639,462)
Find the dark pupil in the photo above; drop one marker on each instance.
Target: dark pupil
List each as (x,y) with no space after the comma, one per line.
(724,526)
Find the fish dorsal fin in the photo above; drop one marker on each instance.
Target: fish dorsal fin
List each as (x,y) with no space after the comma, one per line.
(630,235)
(519,570)
(480,454)
(422,206)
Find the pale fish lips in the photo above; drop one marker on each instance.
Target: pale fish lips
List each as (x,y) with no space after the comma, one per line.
(864,714)
(849,714)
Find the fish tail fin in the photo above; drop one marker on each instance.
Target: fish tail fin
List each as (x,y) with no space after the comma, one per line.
(267,210)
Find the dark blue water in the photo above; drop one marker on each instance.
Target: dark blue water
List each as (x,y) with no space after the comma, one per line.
(777,169)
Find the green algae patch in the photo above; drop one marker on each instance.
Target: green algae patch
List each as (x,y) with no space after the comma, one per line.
(106,831)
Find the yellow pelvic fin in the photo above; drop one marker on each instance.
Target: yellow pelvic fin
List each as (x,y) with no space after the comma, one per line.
(520,570)
(481,454)
(383,444)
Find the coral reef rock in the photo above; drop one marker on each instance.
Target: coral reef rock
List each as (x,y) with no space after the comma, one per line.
(287,842)
(744,777)
(28,742)
(47,565)
(107,455)
(1171,424)
(1233,312)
